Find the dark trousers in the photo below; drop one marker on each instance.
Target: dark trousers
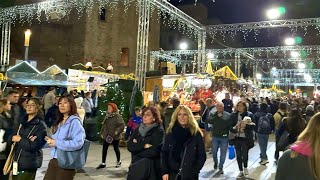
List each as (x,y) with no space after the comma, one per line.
(25,176)
(277,152)
(3,177)
(242,150)
(54,172)
(115,144)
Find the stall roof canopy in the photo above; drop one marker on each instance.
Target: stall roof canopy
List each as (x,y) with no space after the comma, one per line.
(227,73)
(25,74)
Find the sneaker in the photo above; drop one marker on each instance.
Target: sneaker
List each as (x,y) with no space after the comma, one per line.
(102,165)
(118,164)
(241,175)
(245,171)
(220,171)
(264,162)
(215,166)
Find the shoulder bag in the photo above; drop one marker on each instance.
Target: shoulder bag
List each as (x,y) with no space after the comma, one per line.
(8,165)
(73,159)
(179,175)
(141,170)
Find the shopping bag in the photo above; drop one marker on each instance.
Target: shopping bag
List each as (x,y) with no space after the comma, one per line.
(232,153)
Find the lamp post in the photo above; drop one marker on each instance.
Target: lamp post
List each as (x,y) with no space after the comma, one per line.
(27,35)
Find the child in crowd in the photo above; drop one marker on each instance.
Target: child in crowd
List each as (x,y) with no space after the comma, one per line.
(134,122)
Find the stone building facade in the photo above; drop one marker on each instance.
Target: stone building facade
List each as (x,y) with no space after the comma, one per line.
(79,39)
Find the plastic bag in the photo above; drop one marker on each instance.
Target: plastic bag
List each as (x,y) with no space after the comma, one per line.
(232,153)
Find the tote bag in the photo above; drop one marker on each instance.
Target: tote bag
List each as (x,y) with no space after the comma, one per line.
(8,165)
(141,170)
(73,159)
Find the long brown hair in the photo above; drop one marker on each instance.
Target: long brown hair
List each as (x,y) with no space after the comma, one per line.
(311,134)
(295,123)
(73,110)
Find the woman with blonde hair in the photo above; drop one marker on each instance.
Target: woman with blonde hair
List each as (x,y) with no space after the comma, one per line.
(183,153)
(303,157)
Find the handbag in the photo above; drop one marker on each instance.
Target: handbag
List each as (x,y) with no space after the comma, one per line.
(8,165)
(232,153)
(283,142)
(73,159)
(140,170)
(179,175)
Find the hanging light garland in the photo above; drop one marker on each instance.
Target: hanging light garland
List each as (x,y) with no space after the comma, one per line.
(245,29)
(170,15)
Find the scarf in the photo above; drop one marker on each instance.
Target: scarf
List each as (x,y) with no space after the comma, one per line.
(181,135)
(110,115)
(303,148)
(144,129)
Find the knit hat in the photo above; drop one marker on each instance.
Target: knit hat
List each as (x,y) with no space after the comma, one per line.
(78,101)
(114,107)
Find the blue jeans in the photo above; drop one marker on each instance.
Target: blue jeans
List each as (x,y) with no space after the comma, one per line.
(221,143)
(263,144)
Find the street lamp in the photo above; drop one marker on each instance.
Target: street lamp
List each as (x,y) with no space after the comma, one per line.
(258,76)
(183,46)
(290,41)
(27,35)
(275,13)
(210,55)
(301,66)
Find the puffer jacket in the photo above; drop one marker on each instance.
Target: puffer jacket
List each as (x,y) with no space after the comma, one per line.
(31,152)
(112,125)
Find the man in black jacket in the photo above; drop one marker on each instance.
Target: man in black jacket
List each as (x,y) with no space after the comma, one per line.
(13,97)
(220,131)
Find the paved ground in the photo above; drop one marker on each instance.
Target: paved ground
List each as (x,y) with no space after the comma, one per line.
(111,173)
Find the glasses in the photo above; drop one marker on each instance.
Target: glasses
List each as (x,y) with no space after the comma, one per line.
(30,106)
(147,114)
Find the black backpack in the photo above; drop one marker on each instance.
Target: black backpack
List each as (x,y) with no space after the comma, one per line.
(264,125)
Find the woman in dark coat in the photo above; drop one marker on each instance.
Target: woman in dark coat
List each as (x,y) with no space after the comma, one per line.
(145,142)
(242,127)
(183,153)
(30,141)
(111,129)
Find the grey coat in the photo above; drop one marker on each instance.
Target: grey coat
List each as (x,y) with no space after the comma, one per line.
(297,168)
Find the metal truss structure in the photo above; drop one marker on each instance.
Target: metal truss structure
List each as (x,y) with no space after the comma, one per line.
(265,24)
(5,45)
(142,42)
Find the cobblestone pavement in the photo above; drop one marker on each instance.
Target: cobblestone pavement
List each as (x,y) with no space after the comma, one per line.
(256,171)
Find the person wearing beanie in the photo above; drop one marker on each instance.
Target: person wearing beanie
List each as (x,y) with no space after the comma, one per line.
(112,127)
(80,110)
(309,112)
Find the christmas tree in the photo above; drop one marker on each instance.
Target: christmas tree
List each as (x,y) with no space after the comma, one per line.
(136,99)
(115,95)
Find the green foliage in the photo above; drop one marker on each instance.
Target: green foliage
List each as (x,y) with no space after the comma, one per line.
(115,95)
(137,100)
(6,3)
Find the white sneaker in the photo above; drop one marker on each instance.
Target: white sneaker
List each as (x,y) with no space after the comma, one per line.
(241,175)
(245,171)
(264,162)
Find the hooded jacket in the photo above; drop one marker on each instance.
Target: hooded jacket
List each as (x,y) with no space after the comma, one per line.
(71,129)
(298,160)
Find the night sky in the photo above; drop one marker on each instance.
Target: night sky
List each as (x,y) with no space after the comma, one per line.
(236,11)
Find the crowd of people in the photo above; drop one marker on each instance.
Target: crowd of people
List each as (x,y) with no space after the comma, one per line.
(165,140)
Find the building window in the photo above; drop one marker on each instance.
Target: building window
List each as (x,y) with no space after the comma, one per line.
(124,61)
(102,14)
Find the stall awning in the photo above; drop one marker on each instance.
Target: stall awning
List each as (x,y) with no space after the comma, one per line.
(227,73)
